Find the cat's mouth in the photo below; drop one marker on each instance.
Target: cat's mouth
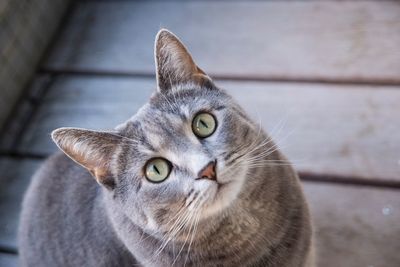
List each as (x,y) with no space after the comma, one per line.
(214,189)
(220,193)
(210,173)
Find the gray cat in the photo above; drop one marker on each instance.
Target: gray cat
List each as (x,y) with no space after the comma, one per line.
(189,180)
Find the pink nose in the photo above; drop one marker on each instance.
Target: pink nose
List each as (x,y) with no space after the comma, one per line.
(208,172)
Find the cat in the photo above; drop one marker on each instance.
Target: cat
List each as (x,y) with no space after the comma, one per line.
(190,180)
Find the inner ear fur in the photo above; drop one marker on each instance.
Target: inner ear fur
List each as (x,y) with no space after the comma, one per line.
(174,64)
(91,149)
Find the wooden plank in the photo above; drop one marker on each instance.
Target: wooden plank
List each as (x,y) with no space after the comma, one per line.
(306,40)
(97,103)
(328,129)
(8,260)
(13,127)
(324,129)
(355,226)
(14,178)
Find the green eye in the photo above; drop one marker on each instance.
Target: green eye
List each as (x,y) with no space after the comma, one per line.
(204,125)
(157,170)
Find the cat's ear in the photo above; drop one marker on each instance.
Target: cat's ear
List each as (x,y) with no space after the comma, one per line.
(174,64)
(93,150)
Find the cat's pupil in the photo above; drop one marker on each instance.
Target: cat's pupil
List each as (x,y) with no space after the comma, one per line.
(203,123)
(156,169)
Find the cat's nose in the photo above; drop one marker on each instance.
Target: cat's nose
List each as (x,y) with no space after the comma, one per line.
(208,172)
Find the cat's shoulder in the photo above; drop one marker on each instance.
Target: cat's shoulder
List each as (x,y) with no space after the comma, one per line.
(59,165)
(58,175)
(58,162)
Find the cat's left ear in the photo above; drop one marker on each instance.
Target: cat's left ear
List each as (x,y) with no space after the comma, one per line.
(175,65)
(96,151)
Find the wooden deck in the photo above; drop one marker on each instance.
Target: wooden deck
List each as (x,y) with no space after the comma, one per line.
(323,76)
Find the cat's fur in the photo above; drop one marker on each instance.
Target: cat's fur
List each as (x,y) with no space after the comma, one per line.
(255,213)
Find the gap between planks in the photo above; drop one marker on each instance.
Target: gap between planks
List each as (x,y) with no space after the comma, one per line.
(7,250)
(228,77)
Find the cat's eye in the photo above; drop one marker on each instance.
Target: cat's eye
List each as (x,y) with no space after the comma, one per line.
(157,170)
(204,125)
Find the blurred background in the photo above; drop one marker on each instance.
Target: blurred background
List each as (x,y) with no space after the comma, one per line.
(323,77)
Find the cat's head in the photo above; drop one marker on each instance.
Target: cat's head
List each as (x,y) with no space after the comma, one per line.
(179,157)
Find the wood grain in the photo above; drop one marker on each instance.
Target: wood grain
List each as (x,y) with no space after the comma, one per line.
(355,226)
(297,40)
(324,129)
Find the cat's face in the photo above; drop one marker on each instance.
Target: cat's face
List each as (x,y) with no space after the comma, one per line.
(178,167)
(180,158)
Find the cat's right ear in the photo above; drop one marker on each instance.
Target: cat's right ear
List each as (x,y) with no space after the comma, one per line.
(175,65)
(96,151)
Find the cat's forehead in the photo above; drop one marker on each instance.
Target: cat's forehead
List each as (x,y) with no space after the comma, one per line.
(188,100)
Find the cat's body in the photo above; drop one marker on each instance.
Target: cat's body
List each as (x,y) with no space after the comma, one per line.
(229,197)
(66,223)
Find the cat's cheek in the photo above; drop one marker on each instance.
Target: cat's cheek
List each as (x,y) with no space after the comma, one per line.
(151,224)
